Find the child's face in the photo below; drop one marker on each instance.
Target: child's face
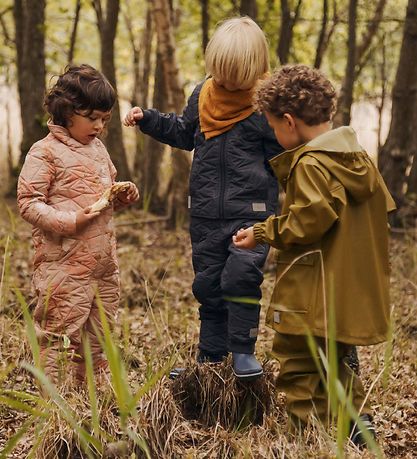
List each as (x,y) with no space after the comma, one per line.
(285,129)
(84,126)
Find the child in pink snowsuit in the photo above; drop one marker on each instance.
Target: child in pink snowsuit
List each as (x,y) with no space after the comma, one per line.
(75,248)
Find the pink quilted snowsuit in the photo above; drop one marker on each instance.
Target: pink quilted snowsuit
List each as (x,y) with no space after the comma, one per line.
(59,177)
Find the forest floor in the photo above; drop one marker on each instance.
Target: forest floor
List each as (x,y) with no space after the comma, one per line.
(158,321)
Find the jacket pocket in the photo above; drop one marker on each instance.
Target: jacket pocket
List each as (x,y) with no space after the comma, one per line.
(297,284)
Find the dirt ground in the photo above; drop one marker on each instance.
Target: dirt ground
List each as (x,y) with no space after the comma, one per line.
(158,319)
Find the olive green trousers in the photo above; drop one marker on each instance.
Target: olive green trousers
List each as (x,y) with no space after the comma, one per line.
(300,379)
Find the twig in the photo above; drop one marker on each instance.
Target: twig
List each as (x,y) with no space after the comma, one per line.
(143,221)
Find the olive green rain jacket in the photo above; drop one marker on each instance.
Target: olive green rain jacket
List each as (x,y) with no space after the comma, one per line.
(332,241)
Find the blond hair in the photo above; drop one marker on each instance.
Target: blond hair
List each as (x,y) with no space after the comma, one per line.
(237,53)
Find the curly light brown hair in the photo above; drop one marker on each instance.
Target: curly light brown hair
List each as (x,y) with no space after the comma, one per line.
(299,90)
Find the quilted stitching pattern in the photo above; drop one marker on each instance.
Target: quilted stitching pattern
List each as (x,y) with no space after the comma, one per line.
(59,177)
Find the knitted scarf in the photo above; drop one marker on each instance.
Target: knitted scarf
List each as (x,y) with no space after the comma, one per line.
(220,109)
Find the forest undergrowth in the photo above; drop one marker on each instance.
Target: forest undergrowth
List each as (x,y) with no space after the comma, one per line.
(205,413)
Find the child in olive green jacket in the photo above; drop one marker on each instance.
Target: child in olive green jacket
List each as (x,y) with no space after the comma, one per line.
(332,241)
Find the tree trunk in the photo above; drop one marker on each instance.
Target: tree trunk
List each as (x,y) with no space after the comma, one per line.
(145,62)
(288,20)
(249,8)
(154,150)
(325,32)
(177,200)
(29,18)
(357,56)
(73,37)
(344,103)
(205,21)
(396,154)
(370,32)
(322,36)
(141,52)
(107,25)
(384,80)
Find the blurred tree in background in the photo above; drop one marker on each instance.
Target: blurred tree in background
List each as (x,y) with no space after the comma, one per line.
(153,53)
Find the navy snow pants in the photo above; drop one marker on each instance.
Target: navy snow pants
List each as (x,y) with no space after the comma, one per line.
(227,286)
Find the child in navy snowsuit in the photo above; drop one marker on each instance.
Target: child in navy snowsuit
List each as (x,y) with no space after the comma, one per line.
(231,187)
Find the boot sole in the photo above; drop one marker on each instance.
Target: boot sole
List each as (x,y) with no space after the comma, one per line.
(248,377)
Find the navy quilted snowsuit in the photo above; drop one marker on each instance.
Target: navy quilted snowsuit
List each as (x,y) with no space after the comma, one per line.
(231,187)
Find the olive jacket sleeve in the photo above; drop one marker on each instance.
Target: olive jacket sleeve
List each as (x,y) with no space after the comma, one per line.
(308,217)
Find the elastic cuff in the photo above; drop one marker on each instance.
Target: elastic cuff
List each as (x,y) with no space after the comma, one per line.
(259,232)
(71,224)
(147,117)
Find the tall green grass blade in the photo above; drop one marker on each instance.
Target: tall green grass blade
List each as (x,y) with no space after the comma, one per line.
(4,273)
(95,421)
(388,356)
(138,441)
(30,328)
(4,372)
(38,438)
(117,369)
(67,413)
(315,355)
(14,440)
(22,407)
(332,353)
(25,396)
(151,382)
(373,446)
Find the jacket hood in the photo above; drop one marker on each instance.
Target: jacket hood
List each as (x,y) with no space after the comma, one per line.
(339,152)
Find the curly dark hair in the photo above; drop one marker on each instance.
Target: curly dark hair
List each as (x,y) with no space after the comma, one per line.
(300,91)
(78,88)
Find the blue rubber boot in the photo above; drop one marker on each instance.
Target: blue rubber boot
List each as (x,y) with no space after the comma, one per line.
(246,367)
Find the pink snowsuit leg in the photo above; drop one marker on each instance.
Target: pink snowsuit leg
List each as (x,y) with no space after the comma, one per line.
(108,294)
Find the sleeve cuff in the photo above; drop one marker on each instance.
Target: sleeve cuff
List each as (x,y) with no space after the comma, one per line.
(72,223)
(147,118)
(259,232)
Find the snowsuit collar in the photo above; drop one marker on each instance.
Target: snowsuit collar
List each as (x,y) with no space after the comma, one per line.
(62,134)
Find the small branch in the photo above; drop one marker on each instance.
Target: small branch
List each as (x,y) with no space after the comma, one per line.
(74,32)
(7,39)
(99,13)
(143,221)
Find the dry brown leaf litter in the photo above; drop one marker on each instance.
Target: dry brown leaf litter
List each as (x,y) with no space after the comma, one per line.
(158,319)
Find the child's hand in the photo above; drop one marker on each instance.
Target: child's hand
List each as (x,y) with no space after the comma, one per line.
(245,239)
(130,195)
(135,114)
(83,217)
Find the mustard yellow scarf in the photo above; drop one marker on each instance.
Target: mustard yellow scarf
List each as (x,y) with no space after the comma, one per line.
(220,109)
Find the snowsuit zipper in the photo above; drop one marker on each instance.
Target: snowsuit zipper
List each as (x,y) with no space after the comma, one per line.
(222,175)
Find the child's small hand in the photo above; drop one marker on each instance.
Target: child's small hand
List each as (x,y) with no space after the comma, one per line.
(83,217)
(245,239)
(135,114)
(130,195)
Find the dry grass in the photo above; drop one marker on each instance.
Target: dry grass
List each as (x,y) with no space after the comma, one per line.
(211,395)
(205,413)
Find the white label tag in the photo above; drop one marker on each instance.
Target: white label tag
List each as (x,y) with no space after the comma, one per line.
(277,317)
(259,207)
(189,202)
